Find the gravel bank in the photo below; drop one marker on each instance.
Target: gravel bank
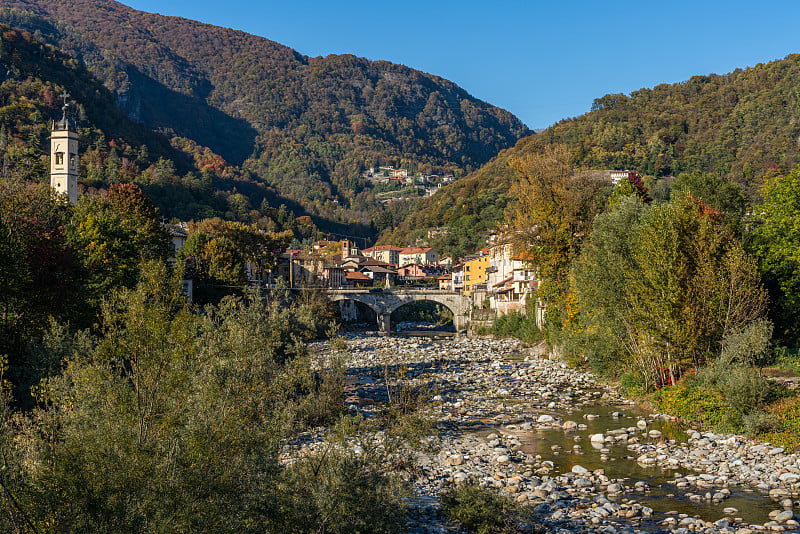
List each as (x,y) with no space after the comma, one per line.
(490,394)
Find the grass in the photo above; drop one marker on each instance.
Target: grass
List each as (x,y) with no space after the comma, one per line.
(777,422)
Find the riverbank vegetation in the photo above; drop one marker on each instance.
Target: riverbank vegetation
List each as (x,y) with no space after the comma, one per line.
(515,324)
(124,407)
(683,299)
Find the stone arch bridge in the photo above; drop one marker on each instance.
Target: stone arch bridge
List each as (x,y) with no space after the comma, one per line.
(384,302)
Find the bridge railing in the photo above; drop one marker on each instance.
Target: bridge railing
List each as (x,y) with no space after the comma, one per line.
(393,291)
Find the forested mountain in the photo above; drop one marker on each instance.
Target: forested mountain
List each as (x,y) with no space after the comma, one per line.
(307,126)
(183,179)
(740,125)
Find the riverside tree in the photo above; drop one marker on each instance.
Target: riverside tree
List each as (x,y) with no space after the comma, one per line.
(556,205)
(173,421)
(662,287)
(775,242)
(115,233)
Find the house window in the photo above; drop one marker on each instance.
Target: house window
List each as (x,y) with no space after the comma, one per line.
(73,160)
(59,158)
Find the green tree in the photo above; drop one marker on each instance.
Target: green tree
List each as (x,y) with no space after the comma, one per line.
(40,273)
(775,241)
(605,333)
(726,197)
(659,289)
(115,234)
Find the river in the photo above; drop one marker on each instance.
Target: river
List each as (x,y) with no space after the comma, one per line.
(579,454)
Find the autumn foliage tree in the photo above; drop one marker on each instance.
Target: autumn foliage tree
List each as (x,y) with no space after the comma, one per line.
(40,271)
(555,208)
(217,252)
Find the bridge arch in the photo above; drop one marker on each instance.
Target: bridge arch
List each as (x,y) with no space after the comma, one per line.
(358,297)
(439,299)
(383,303)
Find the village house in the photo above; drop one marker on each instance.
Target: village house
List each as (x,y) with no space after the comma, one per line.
(511,279)
(300,268)
(357,279)
(446,282)
(310,269)
(475,267)
(457,273)
(425,256)
(386,253)
(379,274)
(345,248)
(419,270)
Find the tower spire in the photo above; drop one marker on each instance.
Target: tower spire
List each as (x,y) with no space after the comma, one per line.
(64,154)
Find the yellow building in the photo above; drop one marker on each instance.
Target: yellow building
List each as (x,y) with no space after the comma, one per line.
(475,272)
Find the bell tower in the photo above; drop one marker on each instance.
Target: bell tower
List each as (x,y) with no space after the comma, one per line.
(64,155)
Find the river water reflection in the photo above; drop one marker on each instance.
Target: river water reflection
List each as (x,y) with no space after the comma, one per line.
(663,496)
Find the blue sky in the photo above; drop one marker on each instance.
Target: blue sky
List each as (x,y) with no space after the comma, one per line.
(543,61)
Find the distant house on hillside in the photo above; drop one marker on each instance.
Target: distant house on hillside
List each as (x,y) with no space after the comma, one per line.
(178,234)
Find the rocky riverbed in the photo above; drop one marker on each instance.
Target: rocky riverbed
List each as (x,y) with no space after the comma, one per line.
(583,458)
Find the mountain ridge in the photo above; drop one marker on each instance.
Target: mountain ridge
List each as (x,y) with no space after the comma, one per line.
(307,126)
(741,125)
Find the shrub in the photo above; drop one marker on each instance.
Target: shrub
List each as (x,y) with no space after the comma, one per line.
(341,488)
(786,432)
(403,416)
(734,372)
(479,510)
(517,325)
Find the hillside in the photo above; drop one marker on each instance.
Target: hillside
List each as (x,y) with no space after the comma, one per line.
(469,208)
(307,126)
(183,179)
(739,125)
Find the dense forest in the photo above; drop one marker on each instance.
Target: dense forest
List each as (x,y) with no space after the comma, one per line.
(741,126)
(305,126)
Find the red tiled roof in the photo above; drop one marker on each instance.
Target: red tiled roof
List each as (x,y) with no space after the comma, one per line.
(503,282)
(525,256)
(378,248)
(355,275)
